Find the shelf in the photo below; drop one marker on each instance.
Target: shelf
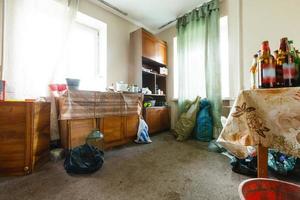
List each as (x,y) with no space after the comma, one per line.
(157,95)
(154,73)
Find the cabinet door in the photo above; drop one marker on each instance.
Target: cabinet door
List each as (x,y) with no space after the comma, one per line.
(79,130)
(161,52)
(15,140)
(149,46)
(132,125)
(112,128)
(152,118)
(164,119)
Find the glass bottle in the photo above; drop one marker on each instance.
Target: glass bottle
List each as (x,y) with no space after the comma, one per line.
(293,53)
(279,71)
(286,60)
(254,74)
(267,71)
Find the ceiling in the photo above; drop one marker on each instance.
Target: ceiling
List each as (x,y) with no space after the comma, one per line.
(152,14)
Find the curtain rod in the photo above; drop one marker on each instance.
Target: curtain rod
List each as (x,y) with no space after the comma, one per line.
(170,22)
(113,7)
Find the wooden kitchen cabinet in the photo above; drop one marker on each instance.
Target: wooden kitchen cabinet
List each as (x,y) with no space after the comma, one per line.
(153,48)
(148,46)
(157,118)
(161,52)
(132,125)
(74,132)
(117,130)
(112,128)
(24,136)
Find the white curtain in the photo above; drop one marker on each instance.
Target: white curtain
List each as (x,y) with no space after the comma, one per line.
(36,36)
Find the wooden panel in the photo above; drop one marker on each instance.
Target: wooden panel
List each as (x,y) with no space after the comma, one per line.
(148,46)
(157,118)
(24,136)
(262,162)
(161,52)
(152,118)
(164,119)
(64,134)
(12,138)
(112,128)
(132,125)
(41,133)
(79,130)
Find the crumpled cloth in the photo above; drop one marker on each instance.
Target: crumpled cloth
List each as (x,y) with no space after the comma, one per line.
(92,104)
(270,117)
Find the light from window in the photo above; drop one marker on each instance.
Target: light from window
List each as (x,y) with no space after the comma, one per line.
(175,69)
(87,53)
(224,57)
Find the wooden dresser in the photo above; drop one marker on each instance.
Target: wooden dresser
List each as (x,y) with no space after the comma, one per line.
(24,136)
(116,115)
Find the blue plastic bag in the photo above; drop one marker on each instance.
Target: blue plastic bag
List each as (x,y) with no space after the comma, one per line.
(203,130)
(143,135)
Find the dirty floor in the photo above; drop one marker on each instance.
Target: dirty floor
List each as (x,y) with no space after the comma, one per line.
(163,170)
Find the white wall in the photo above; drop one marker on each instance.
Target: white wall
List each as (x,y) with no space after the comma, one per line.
(168,35)
(118,32)
(267,20)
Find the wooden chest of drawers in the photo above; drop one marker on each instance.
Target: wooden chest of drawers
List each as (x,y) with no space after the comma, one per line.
(117,130)
(24,136)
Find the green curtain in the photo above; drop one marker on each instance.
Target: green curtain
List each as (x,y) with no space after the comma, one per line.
(199,58)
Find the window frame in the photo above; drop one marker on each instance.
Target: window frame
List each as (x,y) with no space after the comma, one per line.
(101,28)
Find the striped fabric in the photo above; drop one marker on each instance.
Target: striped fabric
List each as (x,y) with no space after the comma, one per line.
(91,104)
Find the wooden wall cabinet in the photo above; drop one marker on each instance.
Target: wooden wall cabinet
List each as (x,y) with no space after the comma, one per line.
(157,118)
(117,130)
(24,136)
(153,48)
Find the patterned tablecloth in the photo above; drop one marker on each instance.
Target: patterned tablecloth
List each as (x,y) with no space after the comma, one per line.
(270,117)
(91,104)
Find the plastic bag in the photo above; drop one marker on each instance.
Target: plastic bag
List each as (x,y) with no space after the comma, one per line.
(203,130)
(186,122)
(84,159)
(142,135)
(280,163)
(247,166)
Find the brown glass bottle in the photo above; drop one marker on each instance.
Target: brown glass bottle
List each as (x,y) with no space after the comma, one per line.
(279,71)
(286,61)
(267,71)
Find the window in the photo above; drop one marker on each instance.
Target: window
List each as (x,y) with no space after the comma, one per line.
(224,60)
(224,57)
(86,58)
(175,69)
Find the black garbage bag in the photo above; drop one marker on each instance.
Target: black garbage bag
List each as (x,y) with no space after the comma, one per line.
(84,159)
(247,166)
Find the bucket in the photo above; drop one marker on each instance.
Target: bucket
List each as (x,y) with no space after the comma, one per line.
(268,189)
(73,84)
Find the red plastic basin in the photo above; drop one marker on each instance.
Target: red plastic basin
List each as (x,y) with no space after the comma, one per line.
(268,189)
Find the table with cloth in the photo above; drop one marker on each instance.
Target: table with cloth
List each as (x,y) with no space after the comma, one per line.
(266,118)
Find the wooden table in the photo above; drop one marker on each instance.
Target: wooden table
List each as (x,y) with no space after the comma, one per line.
(265,118)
